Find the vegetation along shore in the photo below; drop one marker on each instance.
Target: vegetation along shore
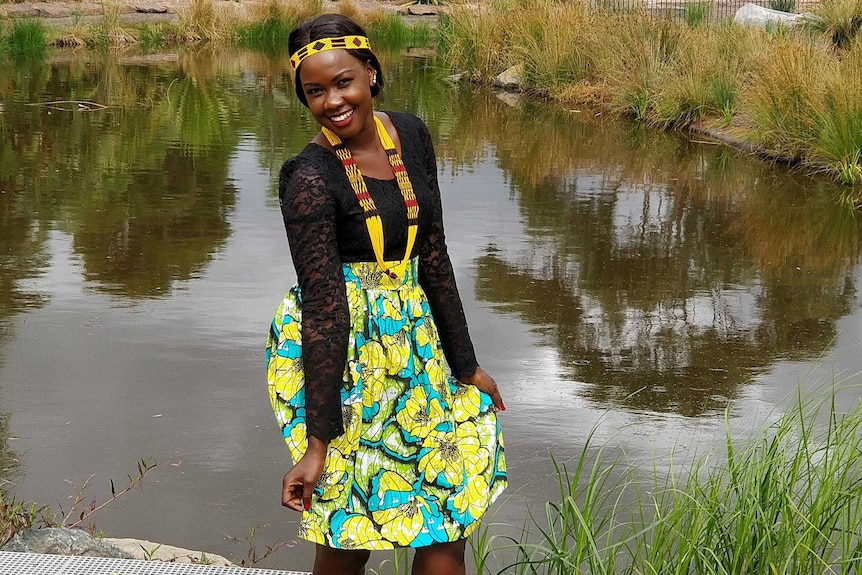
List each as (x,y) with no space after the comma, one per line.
(791,94)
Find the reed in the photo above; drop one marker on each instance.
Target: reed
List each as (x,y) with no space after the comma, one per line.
(152,37)
(788,501)
(201,21)
(26,38)
(268,29)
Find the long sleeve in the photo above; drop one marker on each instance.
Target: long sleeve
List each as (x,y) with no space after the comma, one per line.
(309,213)
(437,278)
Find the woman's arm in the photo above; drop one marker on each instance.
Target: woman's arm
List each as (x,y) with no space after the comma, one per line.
(309,214)
(437,278)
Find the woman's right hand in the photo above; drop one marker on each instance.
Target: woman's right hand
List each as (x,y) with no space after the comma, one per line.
(486,384)
(298,483)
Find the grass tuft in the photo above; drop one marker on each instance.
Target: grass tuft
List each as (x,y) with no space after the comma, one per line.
(837,20)
(696,14)
(788,501)
(26,38)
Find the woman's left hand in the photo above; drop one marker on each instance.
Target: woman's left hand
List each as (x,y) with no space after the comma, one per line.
(486,384)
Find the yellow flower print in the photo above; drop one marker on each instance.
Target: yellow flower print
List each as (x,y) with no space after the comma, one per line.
(286,376)
(417,415)
(397,351)
(290,331)
(413,298)
(390,311)
(473,498)
(355,299)
(371,356)
(297,440)
(468,402)
(476,457)
(333,481)
(402,523)
(348,442)
(439,378)
(441,459)
(359,532)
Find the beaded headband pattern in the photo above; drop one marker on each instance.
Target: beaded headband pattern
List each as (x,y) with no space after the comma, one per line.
(324,44)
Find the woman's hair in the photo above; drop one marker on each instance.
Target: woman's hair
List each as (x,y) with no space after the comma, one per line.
(330,26)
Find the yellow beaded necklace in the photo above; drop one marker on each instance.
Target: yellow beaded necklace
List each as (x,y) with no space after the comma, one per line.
(372,216)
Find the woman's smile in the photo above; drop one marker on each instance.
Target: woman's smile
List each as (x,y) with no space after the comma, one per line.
(342,119)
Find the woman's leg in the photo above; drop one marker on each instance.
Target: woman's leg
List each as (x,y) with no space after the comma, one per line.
(329,561)
(440,559)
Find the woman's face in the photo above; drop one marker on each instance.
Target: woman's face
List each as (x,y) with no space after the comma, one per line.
(337,87)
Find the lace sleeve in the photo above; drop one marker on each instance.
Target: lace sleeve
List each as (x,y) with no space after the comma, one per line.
(437,278)
(309,213)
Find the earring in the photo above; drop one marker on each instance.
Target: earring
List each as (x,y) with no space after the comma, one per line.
(374,79)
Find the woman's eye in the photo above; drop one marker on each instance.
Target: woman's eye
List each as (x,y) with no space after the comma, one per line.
(344,81)
(312,91)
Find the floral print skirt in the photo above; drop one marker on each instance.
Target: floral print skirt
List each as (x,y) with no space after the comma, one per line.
(421,458)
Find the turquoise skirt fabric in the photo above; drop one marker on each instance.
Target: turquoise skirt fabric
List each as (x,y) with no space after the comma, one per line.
(421,458)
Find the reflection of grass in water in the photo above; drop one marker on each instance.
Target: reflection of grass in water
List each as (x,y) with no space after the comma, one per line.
(787,501)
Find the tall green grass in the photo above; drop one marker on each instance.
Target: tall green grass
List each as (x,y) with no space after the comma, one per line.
(787,502)
(25,38)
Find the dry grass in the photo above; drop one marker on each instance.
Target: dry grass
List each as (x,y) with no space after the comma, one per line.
(804,97)
(201,21)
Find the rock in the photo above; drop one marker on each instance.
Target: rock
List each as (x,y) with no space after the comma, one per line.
(57,541)
(755,15)
(510,79)
(88,8)
(53,10)
(21,11)
(142,549)
(422,10)
(150,8)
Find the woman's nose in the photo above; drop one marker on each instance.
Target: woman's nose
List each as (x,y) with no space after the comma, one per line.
(333,98)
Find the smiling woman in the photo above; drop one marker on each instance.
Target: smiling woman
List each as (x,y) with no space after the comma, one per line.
(389,449)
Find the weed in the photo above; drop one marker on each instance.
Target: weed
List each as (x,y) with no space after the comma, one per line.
(149,554)
(27,38)
(697,13)
(151,38)
(783,5)
(837,20)
(785,502)
(253,554)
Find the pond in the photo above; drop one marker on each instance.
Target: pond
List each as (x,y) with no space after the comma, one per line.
(645,285)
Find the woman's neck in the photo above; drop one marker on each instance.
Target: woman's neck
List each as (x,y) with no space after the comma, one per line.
(366,140)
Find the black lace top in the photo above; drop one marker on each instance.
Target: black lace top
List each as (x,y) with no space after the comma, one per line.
(326,227)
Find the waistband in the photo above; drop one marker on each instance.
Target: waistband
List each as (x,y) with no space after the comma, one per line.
(369,275)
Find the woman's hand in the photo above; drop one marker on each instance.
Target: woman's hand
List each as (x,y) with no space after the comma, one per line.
(486,384)
(299,482)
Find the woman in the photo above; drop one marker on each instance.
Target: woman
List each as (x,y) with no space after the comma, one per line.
(389,450)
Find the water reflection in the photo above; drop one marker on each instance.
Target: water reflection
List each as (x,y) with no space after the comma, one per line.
(141,186)
(665,273)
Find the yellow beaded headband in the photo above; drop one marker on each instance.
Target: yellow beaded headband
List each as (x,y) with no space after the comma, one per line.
(324,44)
